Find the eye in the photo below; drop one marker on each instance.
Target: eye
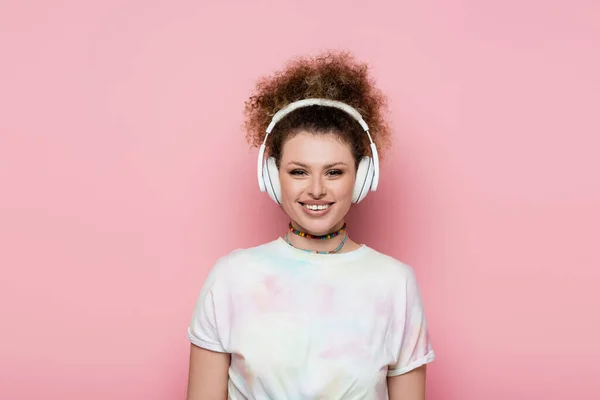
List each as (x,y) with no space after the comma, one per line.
(335,172)
(297,172)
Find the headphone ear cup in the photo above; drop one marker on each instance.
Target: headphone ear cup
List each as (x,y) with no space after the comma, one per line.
(364,179)
(271,178)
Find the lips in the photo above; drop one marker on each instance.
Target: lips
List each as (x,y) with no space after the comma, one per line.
(316,208)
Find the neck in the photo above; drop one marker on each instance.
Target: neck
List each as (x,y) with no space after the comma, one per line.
(320,245)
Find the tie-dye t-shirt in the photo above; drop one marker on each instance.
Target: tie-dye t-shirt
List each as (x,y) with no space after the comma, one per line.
(301,325)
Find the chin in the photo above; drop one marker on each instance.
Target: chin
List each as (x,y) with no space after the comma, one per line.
(317,226)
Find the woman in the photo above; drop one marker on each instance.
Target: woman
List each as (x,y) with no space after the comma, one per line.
(312,314)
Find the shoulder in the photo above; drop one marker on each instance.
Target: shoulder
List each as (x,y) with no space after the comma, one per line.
(249,254)
(241,258)
(396,279)
(388,265)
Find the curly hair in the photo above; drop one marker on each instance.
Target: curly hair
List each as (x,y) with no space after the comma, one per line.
(331,75)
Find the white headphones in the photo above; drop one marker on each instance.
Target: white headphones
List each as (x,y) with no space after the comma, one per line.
(367,174)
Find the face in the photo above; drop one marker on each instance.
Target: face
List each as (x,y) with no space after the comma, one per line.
(317,173)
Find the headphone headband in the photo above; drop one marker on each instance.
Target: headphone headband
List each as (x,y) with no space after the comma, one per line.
(317,102)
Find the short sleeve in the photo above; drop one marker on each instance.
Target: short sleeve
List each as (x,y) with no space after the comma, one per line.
(413,349)
(203,330)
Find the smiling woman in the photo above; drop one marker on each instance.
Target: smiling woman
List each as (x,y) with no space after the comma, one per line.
(312,314)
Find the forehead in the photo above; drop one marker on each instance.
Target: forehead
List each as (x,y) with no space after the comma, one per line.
(315,148)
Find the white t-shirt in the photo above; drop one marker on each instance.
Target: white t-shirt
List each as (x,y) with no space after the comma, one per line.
(302,325)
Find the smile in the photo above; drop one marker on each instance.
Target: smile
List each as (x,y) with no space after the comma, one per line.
(315,207)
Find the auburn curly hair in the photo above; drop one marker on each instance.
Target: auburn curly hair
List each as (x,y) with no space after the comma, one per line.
(331,75)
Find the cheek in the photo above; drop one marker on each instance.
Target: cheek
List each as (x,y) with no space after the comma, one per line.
(290,188)
(345,188)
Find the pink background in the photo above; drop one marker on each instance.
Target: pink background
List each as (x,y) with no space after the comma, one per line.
(124,174)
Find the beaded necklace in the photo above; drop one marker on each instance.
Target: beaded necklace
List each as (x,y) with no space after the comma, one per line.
(322,237)
(319,252)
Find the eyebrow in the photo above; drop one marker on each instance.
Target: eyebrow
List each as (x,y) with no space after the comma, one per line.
(325,166)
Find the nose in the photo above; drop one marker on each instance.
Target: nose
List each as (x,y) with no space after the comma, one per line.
(317,188)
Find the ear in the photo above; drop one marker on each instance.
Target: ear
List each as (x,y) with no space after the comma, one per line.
(271,173)
(364,179)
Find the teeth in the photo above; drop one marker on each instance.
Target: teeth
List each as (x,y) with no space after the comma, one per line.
(317,207)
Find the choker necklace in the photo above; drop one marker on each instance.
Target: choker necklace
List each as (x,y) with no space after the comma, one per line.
(319,252)
(322,237)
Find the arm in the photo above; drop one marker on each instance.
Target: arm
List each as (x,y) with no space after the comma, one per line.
(409,386)
(208,374)
(406,378)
